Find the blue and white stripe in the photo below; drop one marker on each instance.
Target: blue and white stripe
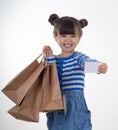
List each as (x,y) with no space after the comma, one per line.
(50,60)
(71,70)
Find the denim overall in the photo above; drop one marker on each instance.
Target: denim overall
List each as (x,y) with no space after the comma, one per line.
(77,116)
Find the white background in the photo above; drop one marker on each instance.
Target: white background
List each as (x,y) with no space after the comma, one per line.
(24,30)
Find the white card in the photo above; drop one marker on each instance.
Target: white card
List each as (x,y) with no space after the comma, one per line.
(92,67)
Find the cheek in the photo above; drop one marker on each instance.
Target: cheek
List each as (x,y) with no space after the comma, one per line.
(77,41)
(60,41)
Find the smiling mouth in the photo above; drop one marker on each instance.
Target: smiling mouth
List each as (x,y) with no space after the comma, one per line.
(68,45)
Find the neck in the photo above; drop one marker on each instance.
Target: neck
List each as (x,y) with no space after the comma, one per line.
(66,54)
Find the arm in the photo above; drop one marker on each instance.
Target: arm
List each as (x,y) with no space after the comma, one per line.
(82,58)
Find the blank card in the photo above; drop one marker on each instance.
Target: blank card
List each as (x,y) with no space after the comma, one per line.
(92,67)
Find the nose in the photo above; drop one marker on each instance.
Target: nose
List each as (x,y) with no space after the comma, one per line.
(68,38)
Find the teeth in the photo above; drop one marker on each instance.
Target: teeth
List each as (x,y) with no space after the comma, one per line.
(67,45)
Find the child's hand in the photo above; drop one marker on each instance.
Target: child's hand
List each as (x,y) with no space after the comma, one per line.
(103,68)
(48,51)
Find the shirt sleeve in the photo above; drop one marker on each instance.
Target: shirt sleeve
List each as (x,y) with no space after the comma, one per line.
(50,60)
(82,58)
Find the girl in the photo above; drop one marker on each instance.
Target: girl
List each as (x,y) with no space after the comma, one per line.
(70,65)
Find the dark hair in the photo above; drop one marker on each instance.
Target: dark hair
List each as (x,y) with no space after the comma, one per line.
(67,25)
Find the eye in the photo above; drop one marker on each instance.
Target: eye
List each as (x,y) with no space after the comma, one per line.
(63,35)
(73,35)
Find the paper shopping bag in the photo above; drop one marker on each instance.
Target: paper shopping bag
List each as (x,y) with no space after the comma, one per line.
(17,88)
(51,93)
(44,96)
(28,110)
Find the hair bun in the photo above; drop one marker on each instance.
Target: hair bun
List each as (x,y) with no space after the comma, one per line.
(53,18)
(83,23)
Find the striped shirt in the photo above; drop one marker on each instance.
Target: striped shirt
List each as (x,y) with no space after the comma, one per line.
(71,70)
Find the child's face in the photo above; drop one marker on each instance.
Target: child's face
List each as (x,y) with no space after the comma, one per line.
(67,42)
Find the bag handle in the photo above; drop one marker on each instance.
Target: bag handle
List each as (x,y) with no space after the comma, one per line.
(42,60)
(42,54)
